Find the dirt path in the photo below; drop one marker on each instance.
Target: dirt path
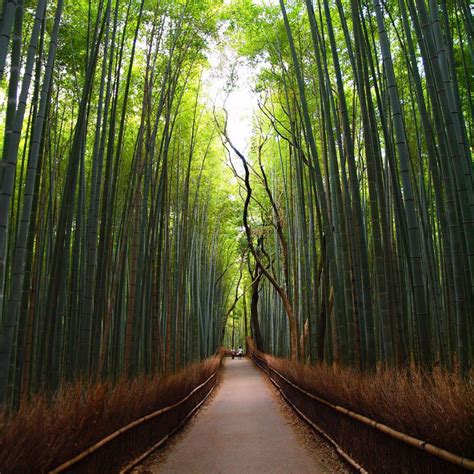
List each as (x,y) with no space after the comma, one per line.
(243,430)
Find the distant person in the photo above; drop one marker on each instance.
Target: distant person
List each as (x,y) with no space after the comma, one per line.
(232,353)
(240,352)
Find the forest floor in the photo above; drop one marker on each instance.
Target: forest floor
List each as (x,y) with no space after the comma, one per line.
(245,428)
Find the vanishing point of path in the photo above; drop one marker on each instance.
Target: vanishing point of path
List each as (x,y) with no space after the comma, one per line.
(243,430)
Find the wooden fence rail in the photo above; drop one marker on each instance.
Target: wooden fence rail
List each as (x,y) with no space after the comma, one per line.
(362,442)
(161,424)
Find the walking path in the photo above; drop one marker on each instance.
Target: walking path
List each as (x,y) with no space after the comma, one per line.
(241,431)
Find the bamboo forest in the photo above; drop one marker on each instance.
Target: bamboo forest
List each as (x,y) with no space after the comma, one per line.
(180,178)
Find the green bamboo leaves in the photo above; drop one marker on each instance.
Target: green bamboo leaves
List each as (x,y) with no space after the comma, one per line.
(375,176)
(112,251)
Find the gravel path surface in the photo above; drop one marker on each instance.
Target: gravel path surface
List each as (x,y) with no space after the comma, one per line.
(243,430)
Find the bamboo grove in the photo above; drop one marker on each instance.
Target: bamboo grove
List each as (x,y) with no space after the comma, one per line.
(124,246)
(358,189)
(111,259)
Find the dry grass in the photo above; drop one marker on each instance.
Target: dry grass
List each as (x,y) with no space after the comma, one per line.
(436,408)
(46,433)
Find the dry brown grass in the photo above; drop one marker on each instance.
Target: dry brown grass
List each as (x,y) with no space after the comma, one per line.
(437,408)
(46,433)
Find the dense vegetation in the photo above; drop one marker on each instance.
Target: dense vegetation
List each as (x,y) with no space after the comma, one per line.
(359,188)
(111,221)
(122,248)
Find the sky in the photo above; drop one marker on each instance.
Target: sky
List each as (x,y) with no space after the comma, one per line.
(240,102)
(238,99)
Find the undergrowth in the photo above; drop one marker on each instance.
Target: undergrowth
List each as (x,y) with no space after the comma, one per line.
(47,432)
(437,408)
